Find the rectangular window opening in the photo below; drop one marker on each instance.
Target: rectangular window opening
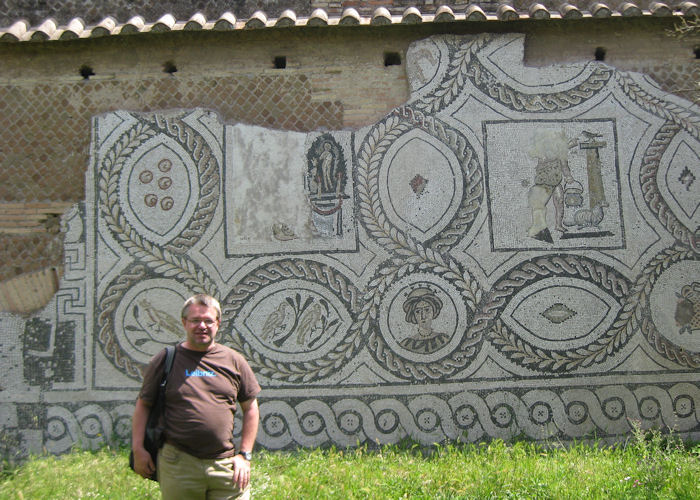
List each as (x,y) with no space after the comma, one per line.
(392,59)
(280,62)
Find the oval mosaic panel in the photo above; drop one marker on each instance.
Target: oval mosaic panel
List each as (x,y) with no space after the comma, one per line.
(293,320)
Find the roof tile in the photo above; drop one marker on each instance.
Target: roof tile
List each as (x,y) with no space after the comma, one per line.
(486,10)
(226,22)
(350,17)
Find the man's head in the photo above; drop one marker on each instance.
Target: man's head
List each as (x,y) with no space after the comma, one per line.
(201,317)
(203,300)
(422,298)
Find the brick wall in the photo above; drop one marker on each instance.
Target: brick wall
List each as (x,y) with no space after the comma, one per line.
(84,352)
(332,79)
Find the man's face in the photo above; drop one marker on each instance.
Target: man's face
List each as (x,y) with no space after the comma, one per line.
(424,314)
(201,325)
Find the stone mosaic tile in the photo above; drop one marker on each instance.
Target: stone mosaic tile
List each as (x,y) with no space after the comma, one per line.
(512,253)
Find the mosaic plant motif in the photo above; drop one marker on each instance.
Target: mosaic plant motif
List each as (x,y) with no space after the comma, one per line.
(513,252)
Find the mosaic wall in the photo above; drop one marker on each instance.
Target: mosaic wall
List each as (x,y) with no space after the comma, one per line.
(513,253)
(46,158)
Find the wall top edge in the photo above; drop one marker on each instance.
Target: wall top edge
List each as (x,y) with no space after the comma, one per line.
(51,30)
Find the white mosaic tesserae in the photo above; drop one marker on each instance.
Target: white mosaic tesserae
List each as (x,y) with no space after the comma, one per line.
(513,252)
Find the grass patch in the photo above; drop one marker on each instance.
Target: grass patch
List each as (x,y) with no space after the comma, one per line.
(651,465)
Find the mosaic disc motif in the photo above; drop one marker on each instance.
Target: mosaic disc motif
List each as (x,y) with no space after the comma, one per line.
(422,327)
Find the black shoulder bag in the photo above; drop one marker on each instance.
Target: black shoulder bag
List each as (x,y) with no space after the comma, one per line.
(153,438)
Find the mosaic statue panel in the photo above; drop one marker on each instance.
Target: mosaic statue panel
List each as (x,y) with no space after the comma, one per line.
(513,252)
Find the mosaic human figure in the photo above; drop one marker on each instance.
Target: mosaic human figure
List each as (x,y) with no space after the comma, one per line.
(325,165)
(422,306)
(325,180)
(552,172)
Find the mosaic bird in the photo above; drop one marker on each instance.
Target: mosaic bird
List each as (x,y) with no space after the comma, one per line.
(156,320)
(276,322)
(590,135)
(308,324)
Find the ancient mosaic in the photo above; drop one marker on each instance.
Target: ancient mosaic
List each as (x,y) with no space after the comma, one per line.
(513,252)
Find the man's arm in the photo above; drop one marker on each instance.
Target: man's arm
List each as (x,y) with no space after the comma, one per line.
(249,431)
(143,464)
(251,417)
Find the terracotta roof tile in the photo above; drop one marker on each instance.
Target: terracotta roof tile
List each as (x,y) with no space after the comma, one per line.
(49,29)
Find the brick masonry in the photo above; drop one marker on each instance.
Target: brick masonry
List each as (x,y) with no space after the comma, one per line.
(466,257)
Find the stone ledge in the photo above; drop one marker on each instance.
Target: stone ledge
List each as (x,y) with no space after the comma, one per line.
(27,218)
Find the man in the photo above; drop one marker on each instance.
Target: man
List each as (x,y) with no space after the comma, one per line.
(552,173)
(199,460)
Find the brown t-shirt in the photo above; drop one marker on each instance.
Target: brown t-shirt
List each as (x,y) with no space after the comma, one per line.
(200,397)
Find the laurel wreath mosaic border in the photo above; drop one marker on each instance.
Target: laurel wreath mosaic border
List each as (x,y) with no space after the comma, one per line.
(652,196)
(525,354)
(109,302)
(162,261)
(449,364)
(642,309)
(681,116)
(208,173)
(412,255)
(464,66)
(105,321)
(302,269)
(473,190)
(677,118)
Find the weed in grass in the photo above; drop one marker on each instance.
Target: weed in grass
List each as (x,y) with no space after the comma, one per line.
(10,451)
(654,457)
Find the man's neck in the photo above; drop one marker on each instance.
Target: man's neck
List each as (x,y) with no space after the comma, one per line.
(206,348)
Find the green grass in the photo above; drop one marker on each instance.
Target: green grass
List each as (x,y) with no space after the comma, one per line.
(650,466)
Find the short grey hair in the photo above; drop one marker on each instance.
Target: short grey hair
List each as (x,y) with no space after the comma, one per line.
(202,300)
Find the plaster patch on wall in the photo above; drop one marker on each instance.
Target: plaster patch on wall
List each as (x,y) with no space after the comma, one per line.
(264,172)
(279,199)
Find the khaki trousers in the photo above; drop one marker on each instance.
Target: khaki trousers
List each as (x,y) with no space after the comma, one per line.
(184,477)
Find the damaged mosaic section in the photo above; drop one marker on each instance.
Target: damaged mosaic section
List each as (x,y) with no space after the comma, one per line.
(287,192)
(506,224)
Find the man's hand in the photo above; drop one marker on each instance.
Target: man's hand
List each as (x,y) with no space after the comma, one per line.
(241,471)
(241,466)
(143,464)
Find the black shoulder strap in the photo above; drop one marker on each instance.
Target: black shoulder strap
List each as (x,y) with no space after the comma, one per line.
(169,358)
